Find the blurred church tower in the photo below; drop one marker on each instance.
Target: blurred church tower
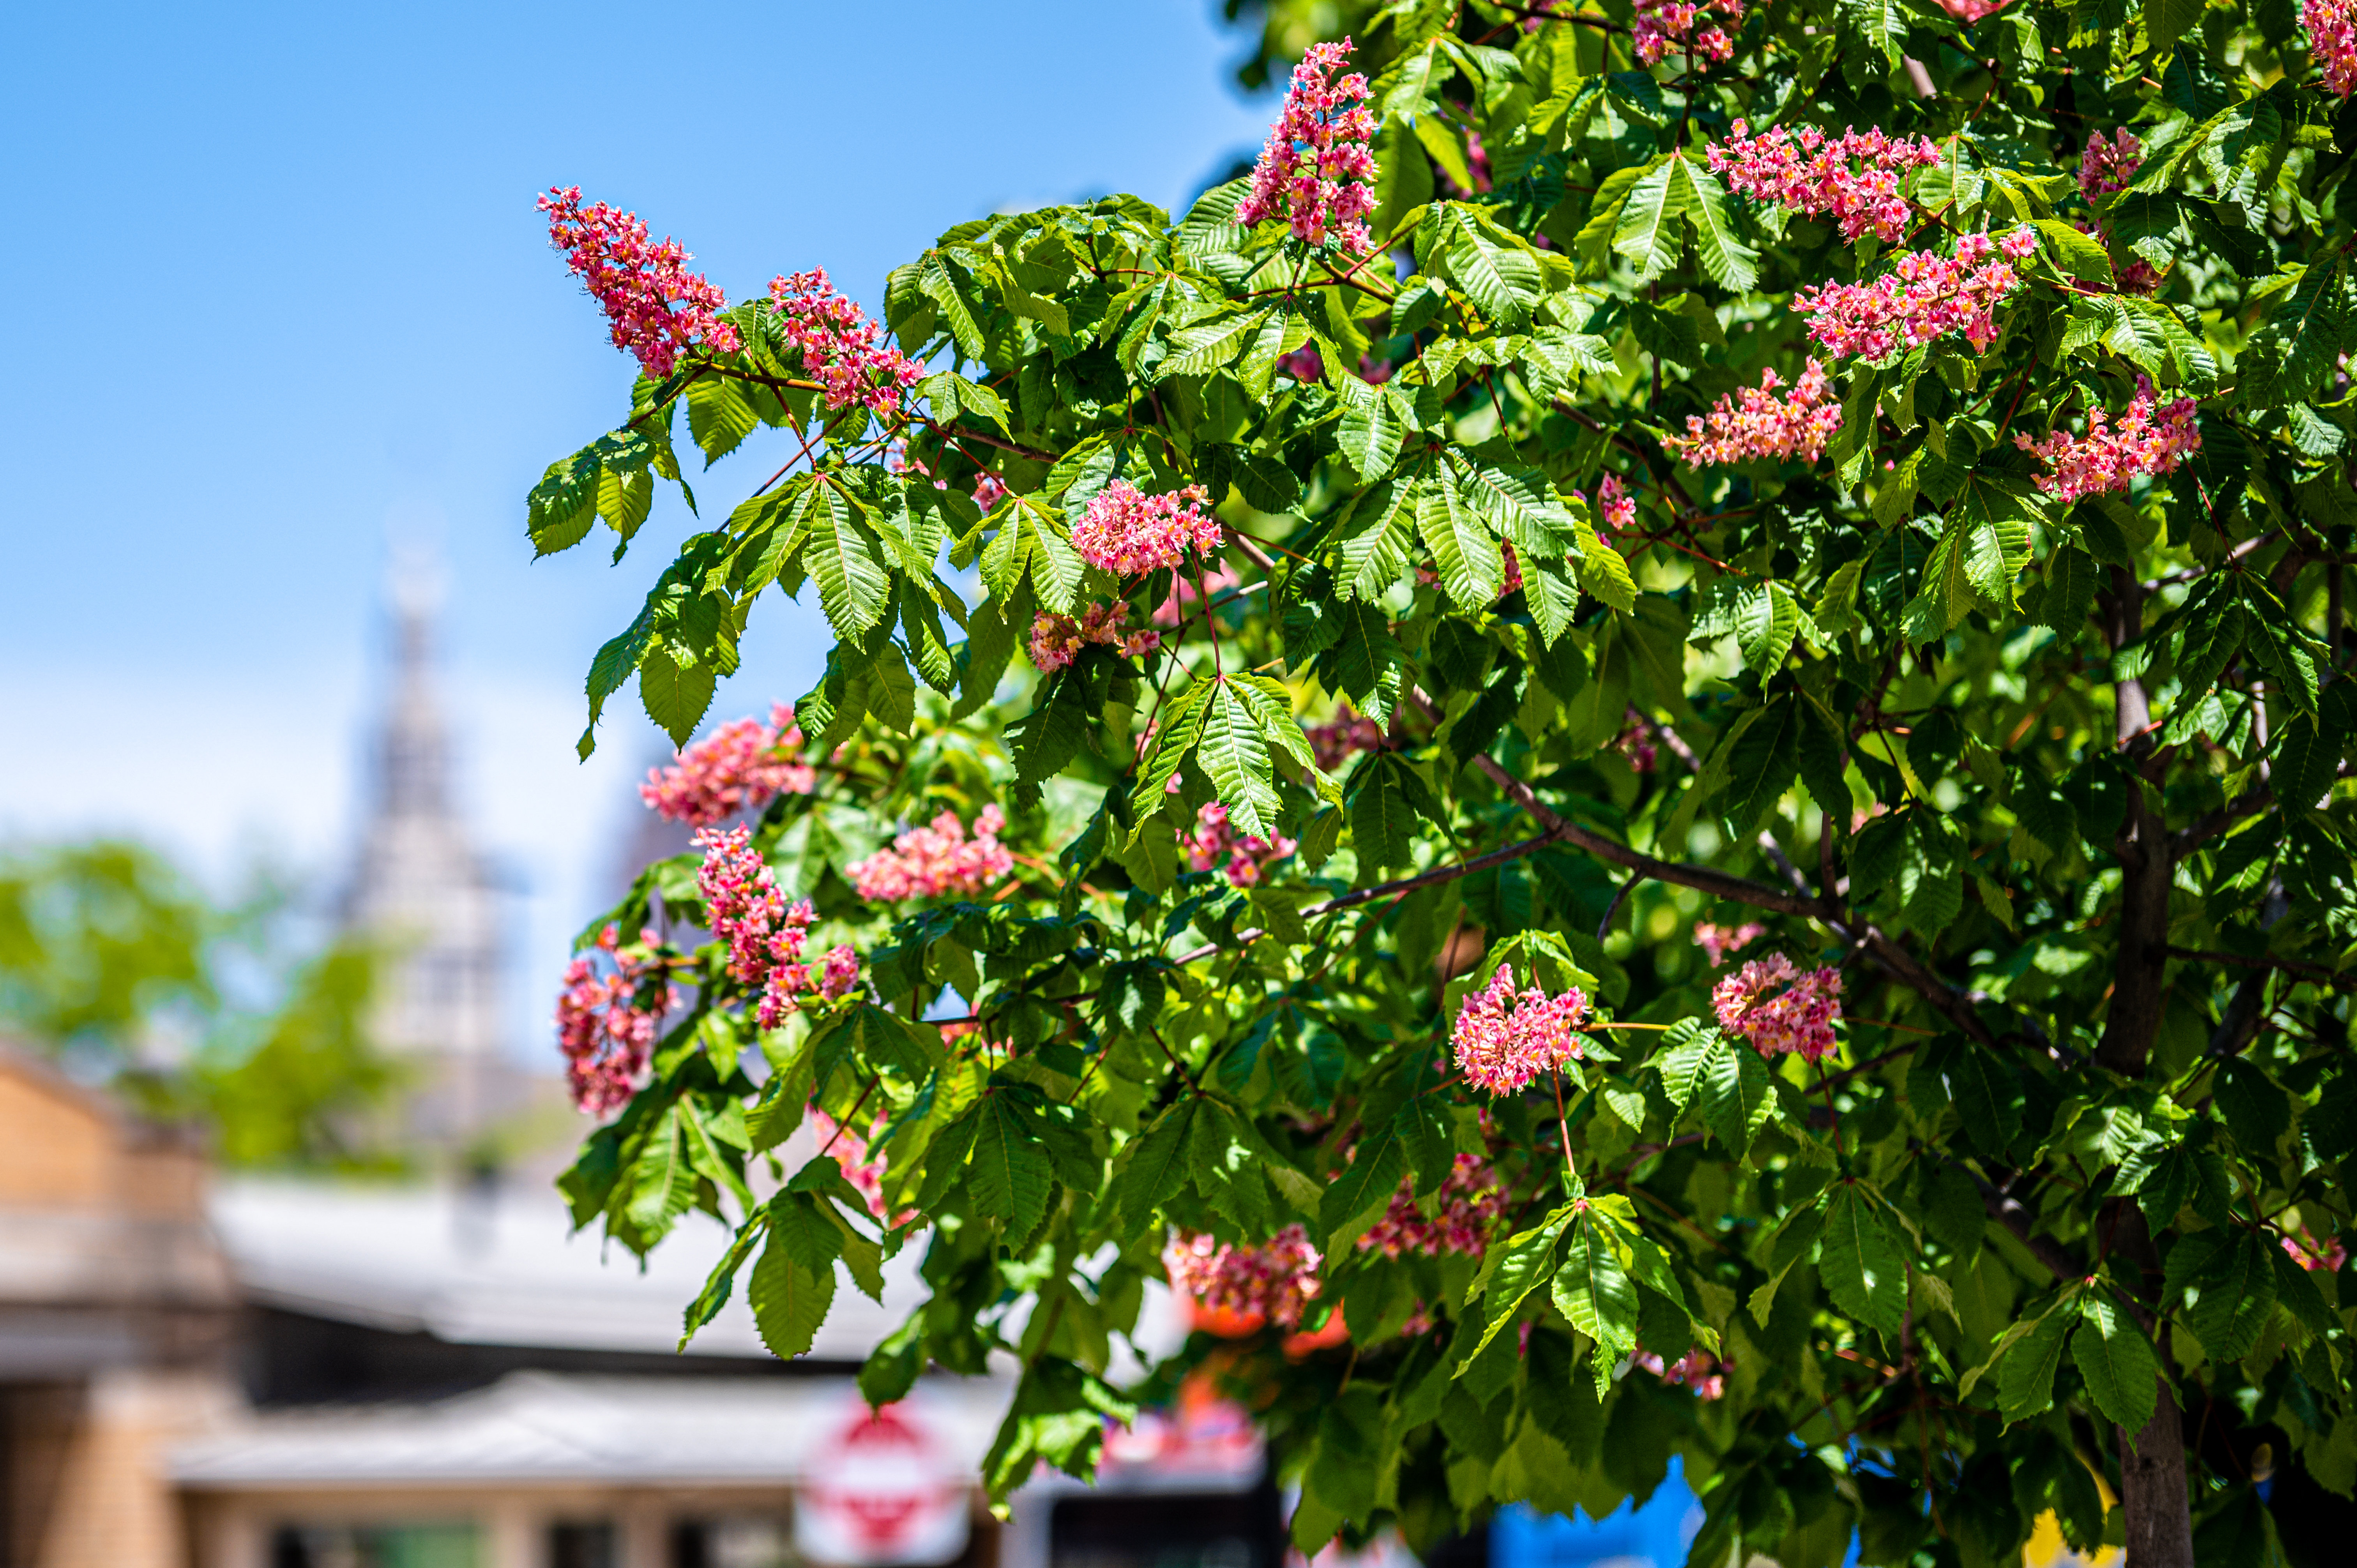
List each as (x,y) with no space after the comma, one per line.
(428,900)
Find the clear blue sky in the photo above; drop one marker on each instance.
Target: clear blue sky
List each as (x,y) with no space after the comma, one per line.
(282,291)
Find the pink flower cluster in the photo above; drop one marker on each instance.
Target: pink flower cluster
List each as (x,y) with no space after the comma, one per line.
(1717,942)
(1129,533)
(1501,1050)
(1057,641)
(1248,858)
(1699,1370)
(1971,11)
(1468,1202)
(1316,171)
(1304,364)
(1755,424)
(1275,1281)
(1922,296)
(989,492)
(1799,1017)
(2332,40)
(936,861)
(740,767)
(2105,167)
(1635,742)
(2324,1257)
(842,350)
(2146,441)
(1184,595)
(605,1035)
(655,305)
(744,910)
(1347,734)
(1663,27)
(1853,176)
(1616,509)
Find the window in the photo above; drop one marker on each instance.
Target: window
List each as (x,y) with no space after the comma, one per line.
(578,1545)
(442,1545)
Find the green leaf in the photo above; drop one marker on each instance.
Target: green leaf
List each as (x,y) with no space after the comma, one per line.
(1375,422)
(1009,1171)
(1233,751)
(1732,264)
(2117,1361)
(1737,1096)
(2025,1375)
(1374,539)
(1463,548)
(1647,232)
(790,1303)
(1384,818)
(1861,1262)
(2075,252)
(1593,1291)
(2232,1295)
(1881,26)
(2166,21)
(1509,1271)
(1767,619)
(1366,1184)
(676,696)
(846,560)
(2256,1111)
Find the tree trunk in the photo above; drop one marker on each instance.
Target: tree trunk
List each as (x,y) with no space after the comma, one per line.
(2153,1488)
(2155,1496)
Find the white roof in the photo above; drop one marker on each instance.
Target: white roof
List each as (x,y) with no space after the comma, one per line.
(561,1428)
(503,1269)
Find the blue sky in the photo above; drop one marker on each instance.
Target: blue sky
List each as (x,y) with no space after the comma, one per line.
(283,297)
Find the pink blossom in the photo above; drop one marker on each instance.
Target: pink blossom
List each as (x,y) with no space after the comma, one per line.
(2332,40)
(1316,170)
(740,767)
(1699,1370)
(2105,167)
(2146,441)
(2324,1257)
(1616,509)
(1754,423)
(1304,364)
(841,350)
(1665,27)
(1183,594)
(1853,176)
(1923,297)
(1500,1050)
(1056,641)
(1636,743)
(1348,733)
(1248,856)
(604,1028)
(1971,11)
(1717,942)
(936,861)
(1799,1017)
(989,492)
(655,305)
(1468,1204)
(1128,534)
(742,905)
(1275,1280)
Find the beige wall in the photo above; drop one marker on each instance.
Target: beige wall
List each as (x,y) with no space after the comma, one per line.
(89,1483)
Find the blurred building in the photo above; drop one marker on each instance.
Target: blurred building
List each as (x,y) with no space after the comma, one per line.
(422,892)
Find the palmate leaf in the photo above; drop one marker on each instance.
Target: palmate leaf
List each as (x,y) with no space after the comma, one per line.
(789,1302)
(1009,1174)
